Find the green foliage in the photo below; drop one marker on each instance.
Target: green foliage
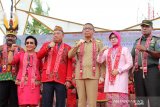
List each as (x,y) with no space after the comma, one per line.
(33,26)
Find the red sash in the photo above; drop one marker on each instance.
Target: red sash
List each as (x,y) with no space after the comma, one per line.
(116,63)
(29,62)
(57,62)
(144,54)
(93,58)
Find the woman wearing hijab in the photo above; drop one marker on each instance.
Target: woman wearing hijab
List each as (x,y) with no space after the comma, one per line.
(28,77)
(118,62)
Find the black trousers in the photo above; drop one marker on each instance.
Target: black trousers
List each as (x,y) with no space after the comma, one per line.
(148,88)
(48,94)
(8,94)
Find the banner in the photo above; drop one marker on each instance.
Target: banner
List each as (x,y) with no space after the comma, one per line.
(127,38)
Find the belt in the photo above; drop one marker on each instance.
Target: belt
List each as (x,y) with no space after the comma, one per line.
(148,66)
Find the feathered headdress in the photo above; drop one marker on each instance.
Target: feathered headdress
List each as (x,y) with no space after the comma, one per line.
(11,25)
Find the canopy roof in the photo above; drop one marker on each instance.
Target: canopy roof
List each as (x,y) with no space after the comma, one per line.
(23,7)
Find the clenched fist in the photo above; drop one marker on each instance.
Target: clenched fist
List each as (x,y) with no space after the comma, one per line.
(14,46)
(51,44)
(141,48)
(103,49)
(115,72)
(80,42)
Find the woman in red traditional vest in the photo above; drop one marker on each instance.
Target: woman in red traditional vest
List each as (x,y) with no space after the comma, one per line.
(118,62)
(28,77)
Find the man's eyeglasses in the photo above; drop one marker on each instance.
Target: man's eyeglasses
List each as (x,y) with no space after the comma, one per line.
(57,33)
(87,28)
(29,43)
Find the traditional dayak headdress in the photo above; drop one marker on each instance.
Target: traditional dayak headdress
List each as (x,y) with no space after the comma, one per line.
(11,25)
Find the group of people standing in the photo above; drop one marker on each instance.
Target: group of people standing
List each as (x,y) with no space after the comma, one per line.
(23,71)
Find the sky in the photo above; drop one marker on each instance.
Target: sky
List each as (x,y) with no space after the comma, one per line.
(108,14)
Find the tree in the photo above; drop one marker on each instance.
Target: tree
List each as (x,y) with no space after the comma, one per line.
(33,26)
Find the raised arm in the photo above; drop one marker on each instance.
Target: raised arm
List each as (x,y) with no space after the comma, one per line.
(102,56)
(11,53)
(45,49)
(74,50)
(156,52)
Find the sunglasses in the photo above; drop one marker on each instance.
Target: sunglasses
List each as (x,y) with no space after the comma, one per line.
(30,43)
